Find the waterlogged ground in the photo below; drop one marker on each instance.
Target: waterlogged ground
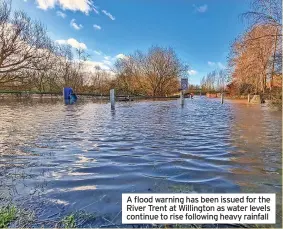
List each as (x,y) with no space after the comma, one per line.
(58,160)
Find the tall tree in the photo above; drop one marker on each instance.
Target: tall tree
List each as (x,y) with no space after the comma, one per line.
(23,43)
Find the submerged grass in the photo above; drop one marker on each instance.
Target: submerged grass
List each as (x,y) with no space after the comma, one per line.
(15,216)
(77,219)
(69,221)
(7,215)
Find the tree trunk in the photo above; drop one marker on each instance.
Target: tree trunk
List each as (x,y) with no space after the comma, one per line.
(273,63)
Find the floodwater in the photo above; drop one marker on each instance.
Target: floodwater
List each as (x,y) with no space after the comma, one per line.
(60,159)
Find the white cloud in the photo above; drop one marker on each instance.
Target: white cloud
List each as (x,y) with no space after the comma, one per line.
(73,5)
(211,63)
(90,65)
(121,56)
(75,25)
(192,72)
(95,10)
(45,4)
(201,9)
(108,15)
(72,42)
(61,14)
(96,27)
(107,62)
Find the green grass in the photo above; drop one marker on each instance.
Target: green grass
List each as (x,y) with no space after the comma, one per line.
(69,221)
(77,219)
(7,215)
(22,218)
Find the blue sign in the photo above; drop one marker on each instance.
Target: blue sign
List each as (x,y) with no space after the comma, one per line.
(184,84)
(69,96)
(67,92)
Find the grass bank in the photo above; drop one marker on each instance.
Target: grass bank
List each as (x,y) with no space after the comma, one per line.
(15,217)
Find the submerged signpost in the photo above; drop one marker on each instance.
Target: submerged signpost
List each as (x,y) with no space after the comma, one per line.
(69,96)
(184,87)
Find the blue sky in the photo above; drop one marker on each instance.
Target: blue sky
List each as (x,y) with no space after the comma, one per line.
(200,31)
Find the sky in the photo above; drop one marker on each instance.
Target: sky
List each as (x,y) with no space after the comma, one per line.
(200,31)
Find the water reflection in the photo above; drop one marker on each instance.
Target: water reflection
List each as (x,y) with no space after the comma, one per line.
(256,155)
(82,188)
(88,153)
(70,101)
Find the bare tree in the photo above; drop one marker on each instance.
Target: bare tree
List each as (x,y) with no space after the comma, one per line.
(23,44)
(162,67)
(155,73)
(100,81)
(251,59)
(268,13)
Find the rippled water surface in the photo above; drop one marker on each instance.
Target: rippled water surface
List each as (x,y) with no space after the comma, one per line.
(84,156)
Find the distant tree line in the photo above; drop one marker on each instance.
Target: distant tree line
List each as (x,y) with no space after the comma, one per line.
(214,81)
(30,60)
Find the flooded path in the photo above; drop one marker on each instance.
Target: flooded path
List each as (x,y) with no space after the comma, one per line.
(84,156)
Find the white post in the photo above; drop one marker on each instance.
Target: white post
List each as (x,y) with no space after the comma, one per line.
(112,98)
(182,97)
(222,98)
